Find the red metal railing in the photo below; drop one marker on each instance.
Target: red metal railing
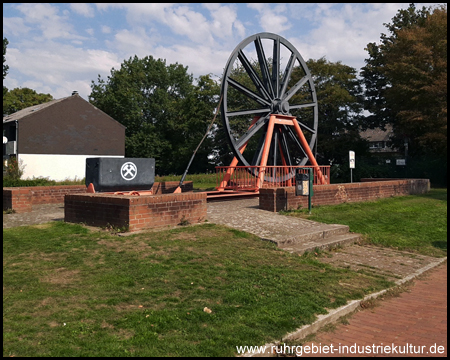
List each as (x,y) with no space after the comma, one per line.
(249,178)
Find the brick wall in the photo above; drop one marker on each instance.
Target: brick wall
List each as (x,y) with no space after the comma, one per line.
(17,199)
(22,199)
(135,212)
(283,198)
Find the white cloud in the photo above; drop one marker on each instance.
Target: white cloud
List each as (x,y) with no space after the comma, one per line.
(82,9)
(340,32)
(270,19)
(224,19)
(15,26)
(194,25)
(131,42)
(182,20)
(56,66)
(56,52)
(46,18)
(137,13)
(201,60)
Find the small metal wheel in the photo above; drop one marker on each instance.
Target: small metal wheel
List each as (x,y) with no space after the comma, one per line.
(266,75)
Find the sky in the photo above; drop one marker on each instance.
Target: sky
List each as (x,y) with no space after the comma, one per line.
(58,48)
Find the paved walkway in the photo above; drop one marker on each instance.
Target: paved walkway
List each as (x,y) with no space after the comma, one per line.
(414,323)
(245,215)
(40,214)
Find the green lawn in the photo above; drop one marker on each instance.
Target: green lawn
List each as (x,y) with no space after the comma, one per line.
(415,223)
(68,291)
(201,182)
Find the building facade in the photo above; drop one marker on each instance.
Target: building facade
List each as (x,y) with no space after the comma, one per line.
(53,140)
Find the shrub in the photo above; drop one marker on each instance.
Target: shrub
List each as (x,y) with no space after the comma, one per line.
(14,168)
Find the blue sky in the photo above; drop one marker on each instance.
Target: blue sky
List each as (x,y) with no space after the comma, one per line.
(59,48)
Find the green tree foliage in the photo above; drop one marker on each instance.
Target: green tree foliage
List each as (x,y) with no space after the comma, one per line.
(416,65)
(375,81)
(165,114)
(21,98)
(5,67)
(339,96)
(406,79)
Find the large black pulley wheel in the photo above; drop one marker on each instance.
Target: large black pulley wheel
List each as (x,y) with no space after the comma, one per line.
(266,75)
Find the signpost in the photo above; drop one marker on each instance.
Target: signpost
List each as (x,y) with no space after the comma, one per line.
(351,155)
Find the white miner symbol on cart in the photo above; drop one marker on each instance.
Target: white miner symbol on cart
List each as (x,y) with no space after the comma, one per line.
(128,171)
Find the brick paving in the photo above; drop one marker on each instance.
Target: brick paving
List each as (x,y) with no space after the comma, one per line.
(414,321)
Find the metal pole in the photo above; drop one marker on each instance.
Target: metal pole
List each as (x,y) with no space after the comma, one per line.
(351,175)
(178,189)
(309,190)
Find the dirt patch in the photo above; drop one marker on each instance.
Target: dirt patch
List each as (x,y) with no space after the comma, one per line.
(47,301)
(184,236)
(43,226)
(106,325)
(125,334)
(95,258)
(53,257)
(61,276)
(129,245)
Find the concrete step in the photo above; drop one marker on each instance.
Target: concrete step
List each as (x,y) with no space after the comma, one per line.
(328,242)
(316,234)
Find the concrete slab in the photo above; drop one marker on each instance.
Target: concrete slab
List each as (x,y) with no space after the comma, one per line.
(287,232)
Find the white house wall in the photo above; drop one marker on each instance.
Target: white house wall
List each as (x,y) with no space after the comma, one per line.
(56,167)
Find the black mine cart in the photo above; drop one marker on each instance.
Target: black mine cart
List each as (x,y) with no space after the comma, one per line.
(120,174)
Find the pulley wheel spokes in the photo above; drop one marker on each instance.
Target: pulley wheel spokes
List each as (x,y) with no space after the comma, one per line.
(266,75)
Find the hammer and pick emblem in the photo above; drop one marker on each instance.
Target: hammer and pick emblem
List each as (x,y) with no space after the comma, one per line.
(128,171)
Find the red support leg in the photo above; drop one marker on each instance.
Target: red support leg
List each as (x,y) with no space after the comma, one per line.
(265,154)
(310,155)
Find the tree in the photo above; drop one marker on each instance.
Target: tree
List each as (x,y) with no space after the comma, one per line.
(339,96)
(416,65)
(406,80)
(165,114)
(21,98)
(5,67)
(374,79)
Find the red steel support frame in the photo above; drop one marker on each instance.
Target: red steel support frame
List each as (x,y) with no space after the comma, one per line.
(308,151)
(274,119)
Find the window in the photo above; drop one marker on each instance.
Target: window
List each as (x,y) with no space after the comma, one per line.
(377,145)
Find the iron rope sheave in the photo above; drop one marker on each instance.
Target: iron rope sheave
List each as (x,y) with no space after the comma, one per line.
(257,83)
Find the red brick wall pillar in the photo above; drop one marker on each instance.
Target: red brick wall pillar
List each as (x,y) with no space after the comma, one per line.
(17,199)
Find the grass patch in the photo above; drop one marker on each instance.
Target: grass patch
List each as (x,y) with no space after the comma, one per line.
(70,291)
(201,182)
(416,223)
(39,181)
